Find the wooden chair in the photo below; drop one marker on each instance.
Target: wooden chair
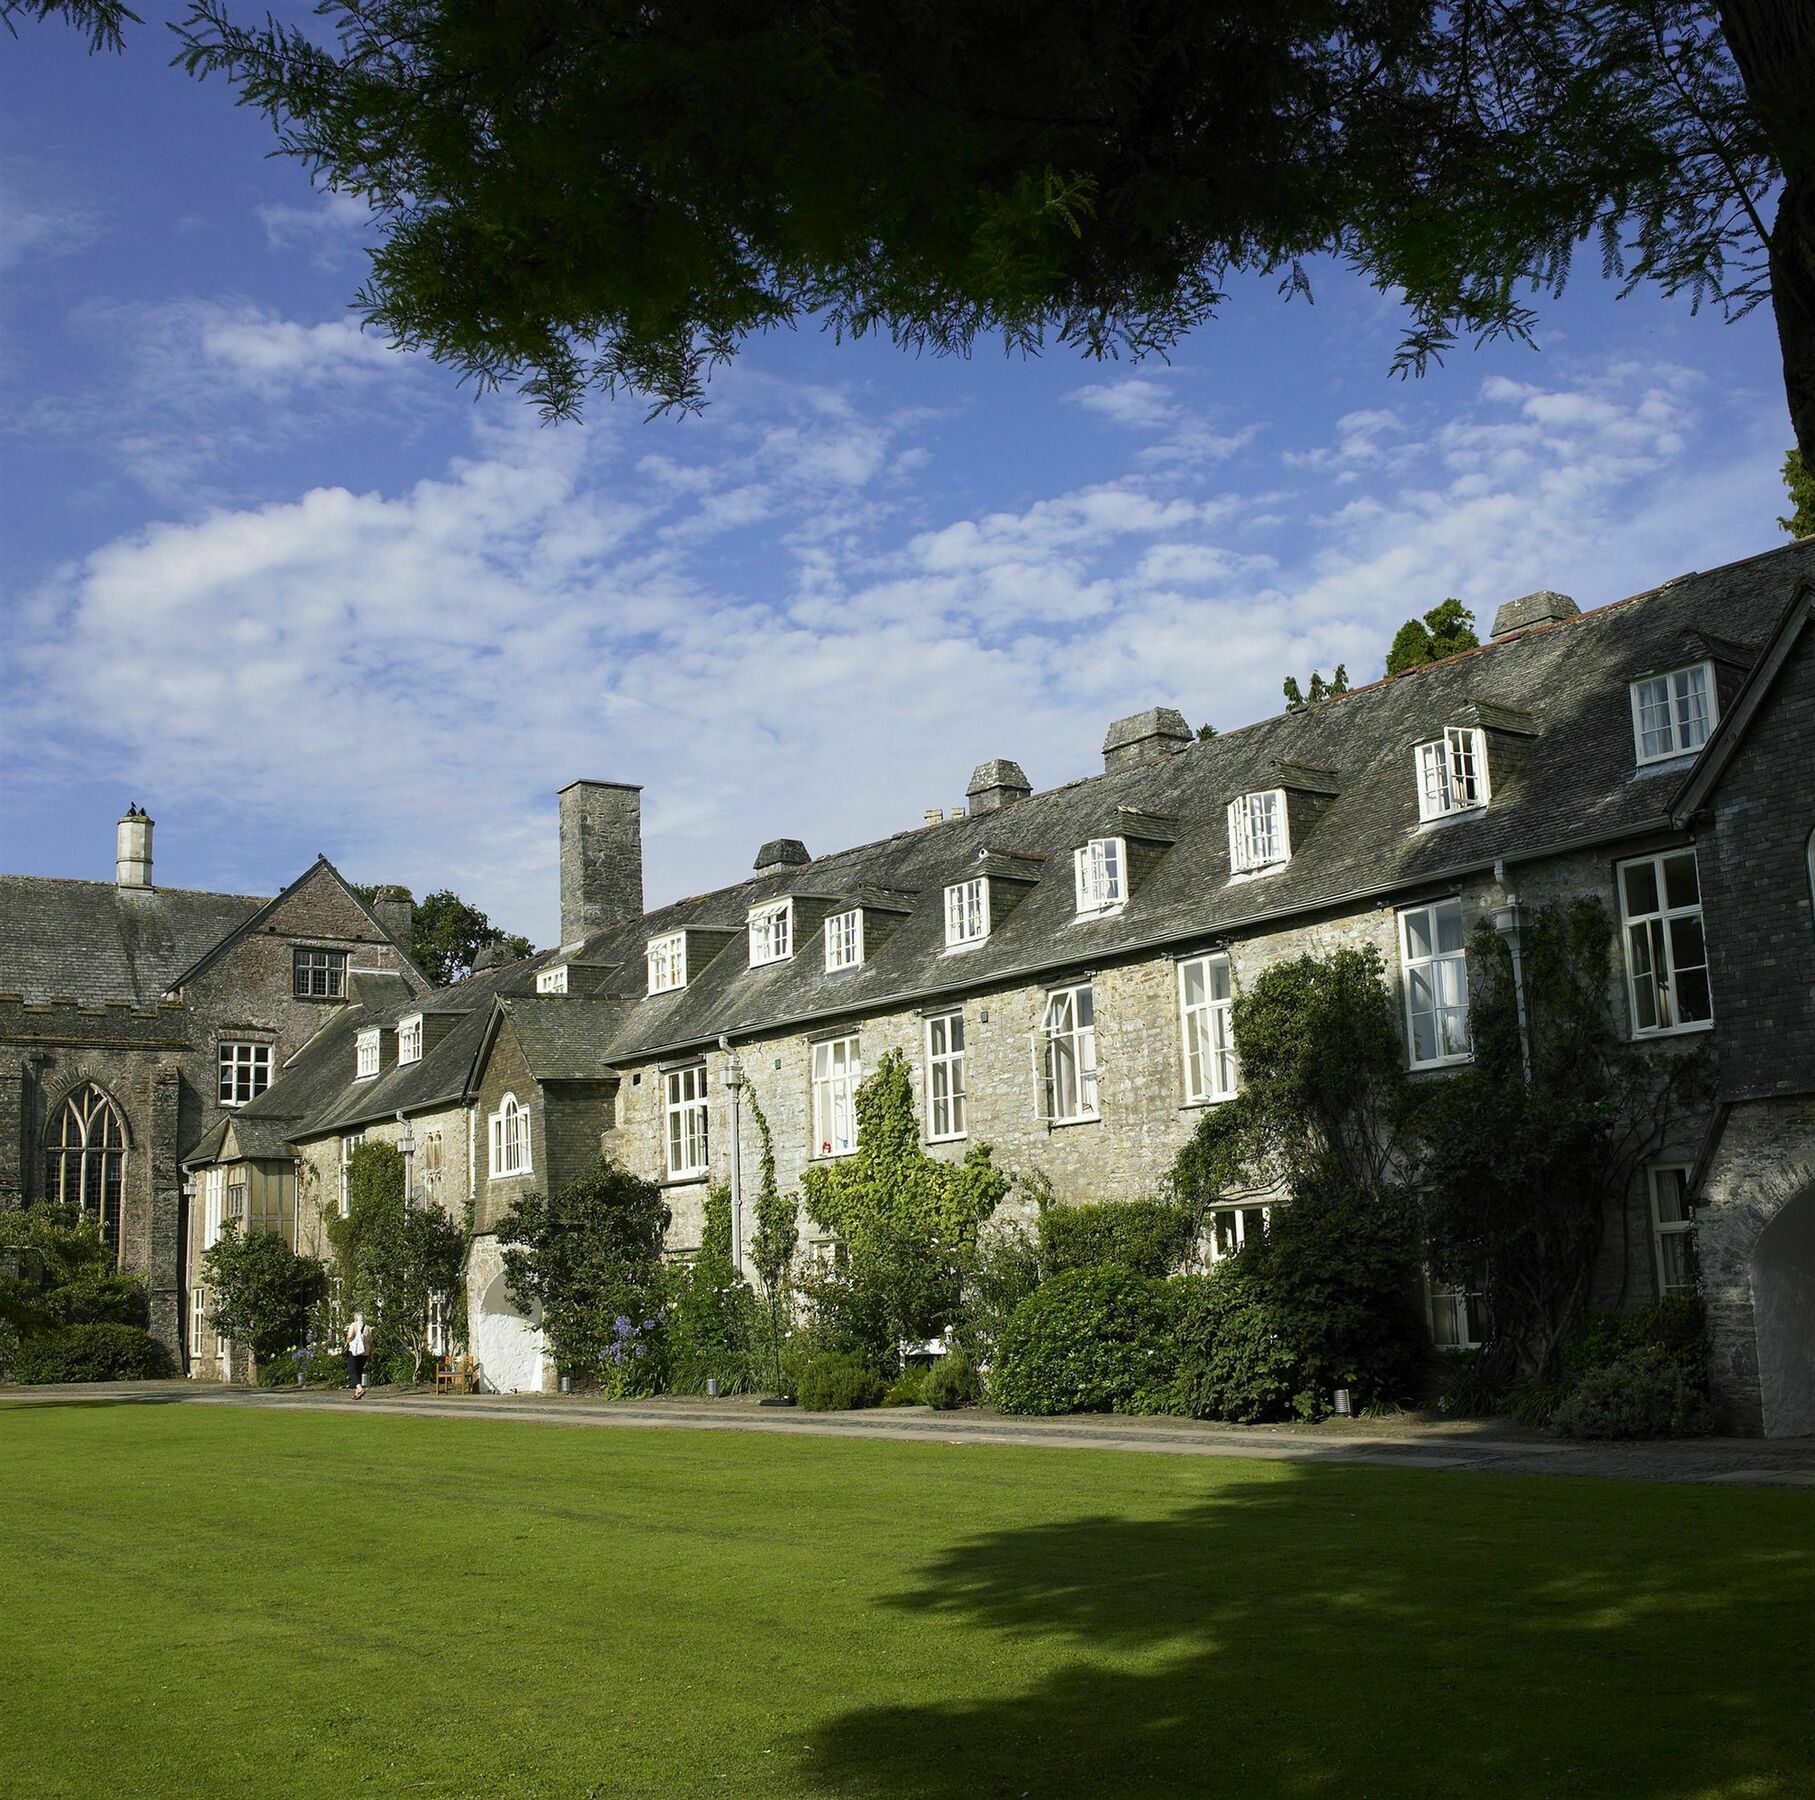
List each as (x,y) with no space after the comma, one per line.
(447,1376)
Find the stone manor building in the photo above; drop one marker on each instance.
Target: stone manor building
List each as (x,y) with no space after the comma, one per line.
(1058,966)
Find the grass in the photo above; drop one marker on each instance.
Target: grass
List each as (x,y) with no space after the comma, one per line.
(216,1601)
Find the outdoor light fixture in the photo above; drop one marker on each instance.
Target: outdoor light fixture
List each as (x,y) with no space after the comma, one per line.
(1343,1409)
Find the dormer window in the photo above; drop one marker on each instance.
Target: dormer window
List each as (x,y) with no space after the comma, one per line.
(1672,714)
(552,981)
(1101,867)
(1258,835)
(667,962)
(771,933)
(1452,773)
(409,1039)
(844,939)
(366,1054)
(966,913)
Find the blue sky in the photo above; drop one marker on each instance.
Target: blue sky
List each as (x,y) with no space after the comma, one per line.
(292,592)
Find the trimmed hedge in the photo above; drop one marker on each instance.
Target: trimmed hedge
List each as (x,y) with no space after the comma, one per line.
(92,1353)
(1234,1362)
(1093,1340)
(1151,1237)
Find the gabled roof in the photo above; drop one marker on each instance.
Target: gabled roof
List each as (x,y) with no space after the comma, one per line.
(563,1037)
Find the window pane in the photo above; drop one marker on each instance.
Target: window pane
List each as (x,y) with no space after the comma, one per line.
(1192,980)
(1672,1199)
(1673,1258)
(1644,991)
(1449,926)
(1694,1000)
(1679,880)
(1641,889)
(1418,932)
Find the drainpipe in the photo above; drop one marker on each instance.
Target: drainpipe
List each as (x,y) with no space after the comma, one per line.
(1509,922)
(734,1080)
(406,1145)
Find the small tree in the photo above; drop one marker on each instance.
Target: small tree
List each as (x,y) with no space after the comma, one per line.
(773,1242)
(1298,699)
(590,1260)
(1445,630)
(263,1291)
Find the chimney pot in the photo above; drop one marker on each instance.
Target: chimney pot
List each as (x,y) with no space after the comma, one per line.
(1145,737)
(995,784)
(396,912)
(132,849)
(933,815)
(1542,608)
(601,857)
(781,853)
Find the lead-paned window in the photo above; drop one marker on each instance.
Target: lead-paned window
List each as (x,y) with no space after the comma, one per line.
(85,1160)
(667,957)
(1452,773)
(319,974)
(245,1072)
(1672,1228)
(1435,967)
(1666,950)
(966,912)
(198,1320)
(945,1076)
(837,1071)
(1068,1056)
(685,1106)
(1257,831)
(348,1144)
(1206,1008)
(1672,714)
(1101,872)
(214,1206)
(844,939)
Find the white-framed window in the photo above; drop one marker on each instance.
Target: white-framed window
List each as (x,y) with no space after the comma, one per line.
(1666,951)
(771,933)
(684,1100)
(442,1341)
(667,958)
(1434,963)
(552,981)
(1457,1314)
(844,939)
(945,1076)
(1206,1007)
(366,1051)
(1258,832)
(837,1071)
(319,974)
(430,1164)
(409,1039)
(198,1320)
(1067,1053)
(1230,1227)
(510,1138)
(245,1072)
(1452,773)
(1672,1228)
(966,912)
(214,1206)
(348,1144)
(1673,713)
(1101,871)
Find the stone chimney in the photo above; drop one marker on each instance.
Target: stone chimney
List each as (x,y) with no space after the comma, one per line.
(601,856)
(132,849)
(781,853)
(396,912)
(1144,738)
(995,784)
(1541,608)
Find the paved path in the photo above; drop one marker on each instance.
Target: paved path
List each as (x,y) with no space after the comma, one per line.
(1405,1442)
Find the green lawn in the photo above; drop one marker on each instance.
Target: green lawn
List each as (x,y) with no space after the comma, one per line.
(226,1602)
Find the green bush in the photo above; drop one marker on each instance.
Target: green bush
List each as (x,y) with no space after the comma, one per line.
(1233,1360)
(1001,1270)
(909,1387)
(1676,1325)
(279,1371)
(951,1383)
(92,1353)
(1151,1237)
(1093,1340)
(100,1300)
(324,1366)
(1644,1394)
(712,1313)
(836,1382)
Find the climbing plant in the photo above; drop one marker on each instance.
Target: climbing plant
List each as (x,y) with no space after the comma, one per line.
(774,1240)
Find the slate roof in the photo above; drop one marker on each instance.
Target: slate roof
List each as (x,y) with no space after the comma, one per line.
(92,942)
(1572,781)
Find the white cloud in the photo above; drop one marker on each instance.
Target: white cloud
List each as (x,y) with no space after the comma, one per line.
(40,215)
(330,230)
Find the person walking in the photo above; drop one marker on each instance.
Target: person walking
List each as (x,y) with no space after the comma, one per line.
(356,1355)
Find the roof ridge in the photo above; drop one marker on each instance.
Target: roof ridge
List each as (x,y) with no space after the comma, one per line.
(156,888)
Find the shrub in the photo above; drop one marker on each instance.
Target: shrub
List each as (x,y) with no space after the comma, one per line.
(1645,1393)
(1233,1361)
(909,1387)
(951,1383)
(712,1316)
(92,1353)
(1676,1325)
(1151,1237)
(1094,1340)
(324,1366)
(1003,1268)
(835,1382)
(279,1371)
(99,1300)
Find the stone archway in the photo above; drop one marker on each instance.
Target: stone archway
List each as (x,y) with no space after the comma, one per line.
(1783,1309)
(508,1346)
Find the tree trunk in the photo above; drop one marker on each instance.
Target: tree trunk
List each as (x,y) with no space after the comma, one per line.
(1773,42)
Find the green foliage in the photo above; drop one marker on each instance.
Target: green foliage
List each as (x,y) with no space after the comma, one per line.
(773,1242)
(838,1382)
(1799,479)
(55,1270)
(262,1291)
(1233,1362)
(1095,1340)
(1448,628)
(91,1353)
(951,1382)
(909,1387)
(1521,1175)
(1298,699)
(447,934)
(1644,1394)
(1004,1267)
(586,1260)
(712,1314)
(908,1222)
(113,1299)
(1151,1237)
(1205,733)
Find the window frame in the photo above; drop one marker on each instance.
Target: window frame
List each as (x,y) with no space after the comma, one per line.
(552,981)
(1217,1013)
(1663,918)
(304,968)
(85,1149)
(1467,1309)
(349,1142)
(686,1121)
(777,945)
(1240,813)
(1662,1228)
(1100,876)
(1710,695)
(198,1321)
(1436,959)
(1081,1035)
(843,931)
(668,953)
(237,1057)
(834,1093)
(958,912)
(368,1054)
(409,1039)
(1214,1249)
(1460,762)
(509,1131)
(946,1057)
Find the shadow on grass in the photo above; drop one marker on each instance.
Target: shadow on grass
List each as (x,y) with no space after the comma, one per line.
(1334,1632)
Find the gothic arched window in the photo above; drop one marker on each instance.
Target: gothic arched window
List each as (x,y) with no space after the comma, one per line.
(85,1159)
